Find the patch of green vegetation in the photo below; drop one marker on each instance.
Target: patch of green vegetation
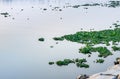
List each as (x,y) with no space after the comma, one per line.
(114,4)
(64,62)
(103,51)
(82,65)
(90,39)
(51,63)
(86,50)
(76,6)
(58,38)
(99,61)
(93,37)
(93,4)
(41,39)
(79,62)
(115,48)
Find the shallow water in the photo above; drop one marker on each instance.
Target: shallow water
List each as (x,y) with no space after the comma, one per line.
(22,56)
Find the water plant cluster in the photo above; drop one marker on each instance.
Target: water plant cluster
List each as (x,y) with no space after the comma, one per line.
(51,63)
(115,48)
(81,63)
(41,39)
(92,38)
(99,61)
(113,4)
(103,51)
(64,62)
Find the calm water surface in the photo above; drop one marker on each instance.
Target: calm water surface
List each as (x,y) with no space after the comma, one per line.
(22,56)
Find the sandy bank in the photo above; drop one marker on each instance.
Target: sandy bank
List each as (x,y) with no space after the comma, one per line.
(111,73)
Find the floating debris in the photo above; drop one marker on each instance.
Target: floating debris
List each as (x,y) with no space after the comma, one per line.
(13,18)
(44,9)
(51,46)
(28,18)
(22,9)
(6,14)
(56,42)
(85,8)
(60,9)
(61,18)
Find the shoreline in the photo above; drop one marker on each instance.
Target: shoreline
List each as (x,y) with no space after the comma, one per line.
(111,73)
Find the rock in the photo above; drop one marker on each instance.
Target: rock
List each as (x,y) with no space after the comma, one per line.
(115,62)
(83,76)
(111,73)
(118,60)
(118,76)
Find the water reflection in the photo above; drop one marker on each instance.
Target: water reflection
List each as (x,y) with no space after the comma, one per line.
(32,1)
(54,2)
(23,57)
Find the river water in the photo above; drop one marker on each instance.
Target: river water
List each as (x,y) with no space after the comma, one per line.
(22,56)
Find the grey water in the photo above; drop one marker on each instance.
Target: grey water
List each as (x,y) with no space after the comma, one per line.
(22,56)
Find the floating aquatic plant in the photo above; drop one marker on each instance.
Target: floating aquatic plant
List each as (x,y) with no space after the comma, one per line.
(64,62)
(99,61)
(41,39)
(115,48)
(51,63)
(79,62)
(103,51)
